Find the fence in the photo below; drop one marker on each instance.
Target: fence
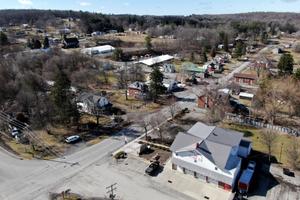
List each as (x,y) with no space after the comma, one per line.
(260,124)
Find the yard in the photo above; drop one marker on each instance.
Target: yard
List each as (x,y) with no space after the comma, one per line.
(132,104)
(282,142)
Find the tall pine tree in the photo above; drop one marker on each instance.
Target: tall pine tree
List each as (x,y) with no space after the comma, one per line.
(156,83)
(46,43)
(286,64)
(65,107)
(3,39)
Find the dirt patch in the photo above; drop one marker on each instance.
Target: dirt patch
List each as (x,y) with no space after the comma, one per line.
(72,196)
(163,154)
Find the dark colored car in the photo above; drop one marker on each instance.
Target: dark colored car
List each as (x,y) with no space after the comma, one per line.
(152,168)
(239,108)
(287,172)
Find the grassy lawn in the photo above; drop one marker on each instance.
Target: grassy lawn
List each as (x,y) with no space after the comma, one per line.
(132,104)
(26,151)
(254,135)
(97,140)
(103,120)
(111,78)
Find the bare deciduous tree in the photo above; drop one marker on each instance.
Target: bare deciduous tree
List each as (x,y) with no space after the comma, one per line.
(173,108)
(156,122)
(123,81)
(293,154)
(145,123)
(269,138)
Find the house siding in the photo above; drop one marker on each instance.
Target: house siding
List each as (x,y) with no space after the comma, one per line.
(204,102)
(244,81)
(212,177)
(134,92)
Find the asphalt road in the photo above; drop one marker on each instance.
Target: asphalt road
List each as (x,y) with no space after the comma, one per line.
(34,179)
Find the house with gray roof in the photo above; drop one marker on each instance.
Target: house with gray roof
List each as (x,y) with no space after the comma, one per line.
(92,103)
(138,90)
(210,154)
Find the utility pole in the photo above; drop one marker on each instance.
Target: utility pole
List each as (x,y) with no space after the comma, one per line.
(111,190)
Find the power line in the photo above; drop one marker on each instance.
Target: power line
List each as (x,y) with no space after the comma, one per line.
(25,127)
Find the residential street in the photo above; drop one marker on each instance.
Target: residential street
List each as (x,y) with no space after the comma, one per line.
(34,179)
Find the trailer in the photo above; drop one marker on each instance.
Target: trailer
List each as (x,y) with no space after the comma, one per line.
(245,181)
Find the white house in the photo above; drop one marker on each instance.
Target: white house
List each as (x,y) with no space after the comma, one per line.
(156,60)
(105,50)
(210,154)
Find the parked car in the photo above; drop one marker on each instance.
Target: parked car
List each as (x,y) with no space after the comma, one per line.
(145,149)
(288,172)
(152,168)
(15,132)
(72,139)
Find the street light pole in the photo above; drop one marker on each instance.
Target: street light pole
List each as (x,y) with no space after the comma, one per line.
(280,152)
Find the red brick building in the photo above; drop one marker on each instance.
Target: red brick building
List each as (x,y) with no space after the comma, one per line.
(247,79)
(137,89)
(204,102)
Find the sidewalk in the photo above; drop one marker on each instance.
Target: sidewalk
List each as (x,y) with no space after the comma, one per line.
(190,186)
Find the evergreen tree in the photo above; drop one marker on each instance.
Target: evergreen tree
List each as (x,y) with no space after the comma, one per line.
(240,49)
(222,36)
(65,108)
(34,44)
(148,43)
(297,74)
(3,39)
(203,55)
(46,43)
(37,44)
(117,54)
(156,83)
(213,52)
(226,43)
(286,64)
(264,38)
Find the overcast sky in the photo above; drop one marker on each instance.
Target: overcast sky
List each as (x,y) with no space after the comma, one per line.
(158,7)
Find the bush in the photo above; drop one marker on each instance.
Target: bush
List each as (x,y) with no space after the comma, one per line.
(120,155)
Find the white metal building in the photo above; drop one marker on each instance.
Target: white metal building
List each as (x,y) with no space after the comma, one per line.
(105,50)
(156,60)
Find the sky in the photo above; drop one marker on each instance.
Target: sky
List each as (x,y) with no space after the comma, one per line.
(158,7)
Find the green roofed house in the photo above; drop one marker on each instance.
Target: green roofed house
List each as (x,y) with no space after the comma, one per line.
(192,68)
